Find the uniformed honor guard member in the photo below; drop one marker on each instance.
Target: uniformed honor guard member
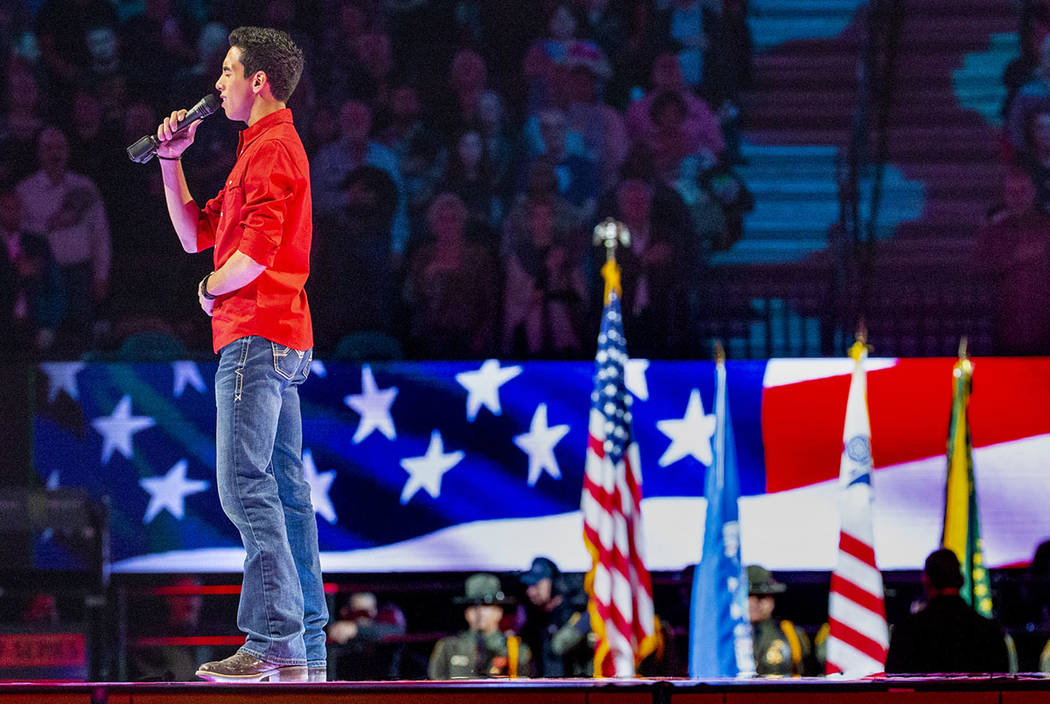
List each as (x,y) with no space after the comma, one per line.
(483,650)
(781,648)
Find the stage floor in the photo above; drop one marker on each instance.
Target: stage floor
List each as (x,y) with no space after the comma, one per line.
(1019,689)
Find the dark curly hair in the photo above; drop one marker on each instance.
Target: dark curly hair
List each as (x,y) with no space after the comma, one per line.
(273,52)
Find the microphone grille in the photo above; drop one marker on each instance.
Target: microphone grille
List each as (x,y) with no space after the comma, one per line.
(209,104)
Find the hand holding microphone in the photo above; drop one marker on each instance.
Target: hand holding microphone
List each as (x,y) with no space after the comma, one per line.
(146,148)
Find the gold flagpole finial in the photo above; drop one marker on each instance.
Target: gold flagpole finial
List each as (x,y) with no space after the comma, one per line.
(963,344)
(611,233)
(860,343)
(720,353)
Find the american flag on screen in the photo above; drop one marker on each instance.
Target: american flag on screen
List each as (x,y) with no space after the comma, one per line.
(618,584)
(858,636)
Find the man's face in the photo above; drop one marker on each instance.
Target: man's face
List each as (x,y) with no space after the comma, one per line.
(235,90)
(540,592)
(484,618)
(759,607)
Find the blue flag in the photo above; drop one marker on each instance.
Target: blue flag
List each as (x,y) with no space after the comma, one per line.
(720,637)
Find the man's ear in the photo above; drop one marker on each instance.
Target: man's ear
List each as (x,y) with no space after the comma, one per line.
(259,81)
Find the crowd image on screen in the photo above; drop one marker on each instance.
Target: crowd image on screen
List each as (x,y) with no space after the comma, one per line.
(461,154)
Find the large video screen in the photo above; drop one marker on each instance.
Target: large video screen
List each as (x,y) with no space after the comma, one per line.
(429,466)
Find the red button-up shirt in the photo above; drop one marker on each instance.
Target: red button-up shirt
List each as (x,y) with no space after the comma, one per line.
(264,211)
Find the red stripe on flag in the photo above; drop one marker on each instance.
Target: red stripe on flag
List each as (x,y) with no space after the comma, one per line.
(858,595)
(857,548)
(854,638)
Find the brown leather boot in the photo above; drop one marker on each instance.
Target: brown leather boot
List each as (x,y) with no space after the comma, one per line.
(241,667)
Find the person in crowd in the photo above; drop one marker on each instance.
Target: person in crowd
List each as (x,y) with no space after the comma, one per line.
(62,28)
(421,153)
(655,296)
(492,125)
(483,650)
(781,648)
(451,287)
(701,130)
(21,121)
(577,176)
(32,300)
(947,635)
(340,76)
(557,627)
(545,294)
(470,176)
(468,78)
(67,208)
(547,53)
(363,639)
(1035,26)
(352,260)
(1013,250)
(1032,97)
(600,125)
(356,148)
(260,227)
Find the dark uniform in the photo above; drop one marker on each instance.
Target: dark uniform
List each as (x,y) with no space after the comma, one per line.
(561,637)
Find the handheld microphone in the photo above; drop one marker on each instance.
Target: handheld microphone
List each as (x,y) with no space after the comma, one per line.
(146,148)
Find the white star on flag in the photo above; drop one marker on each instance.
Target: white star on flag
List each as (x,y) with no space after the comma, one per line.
(426,472)
(634,378)
(317,368)
(118,428)
(539,444)
(62,376)
(170,491)
(320,486)
(373,405)
(186,373)
(689,436)
(483,386)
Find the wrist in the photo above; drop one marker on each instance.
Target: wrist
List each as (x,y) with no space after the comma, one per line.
(169,158)
(203,288)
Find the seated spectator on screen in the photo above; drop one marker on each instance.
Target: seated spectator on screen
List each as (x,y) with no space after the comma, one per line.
(947,635)
(1013,250)
(545,294)
(451,288)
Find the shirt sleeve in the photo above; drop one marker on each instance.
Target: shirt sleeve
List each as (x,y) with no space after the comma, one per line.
(269,186)
(208,221)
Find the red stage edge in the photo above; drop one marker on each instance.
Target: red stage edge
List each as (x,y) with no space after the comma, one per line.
(1021,689)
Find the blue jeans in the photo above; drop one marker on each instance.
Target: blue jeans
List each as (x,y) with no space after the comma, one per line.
(259,472)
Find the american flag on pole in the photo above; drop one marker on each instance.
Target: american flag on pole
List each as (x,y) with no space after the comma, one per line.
(618,584)
(858,636)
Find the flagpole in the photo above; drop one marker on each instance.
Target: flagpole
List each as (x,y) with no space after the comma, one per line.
(619,589)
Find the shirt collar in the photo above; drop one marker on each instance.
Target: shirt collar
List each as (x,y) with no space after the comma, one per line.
(250,134)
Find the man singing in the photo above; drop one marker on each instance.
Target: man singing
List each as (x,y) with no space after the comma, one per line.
(260,228)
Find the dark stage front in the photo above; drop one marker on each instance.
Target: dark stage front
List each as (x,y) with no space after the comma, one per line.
(987,690)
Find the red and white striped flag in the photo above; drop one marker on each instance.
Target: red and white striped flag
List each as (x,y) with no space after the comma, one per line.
(858,636)
(618,584)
